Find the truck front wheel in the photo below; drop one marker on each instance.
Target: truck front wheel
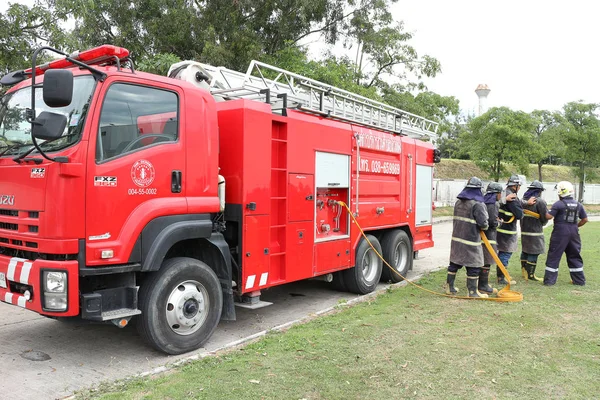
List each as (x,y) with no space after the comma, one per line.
(181,305)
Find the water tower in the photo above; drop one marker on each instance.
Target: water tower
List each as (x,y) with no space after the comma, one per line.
(482,92)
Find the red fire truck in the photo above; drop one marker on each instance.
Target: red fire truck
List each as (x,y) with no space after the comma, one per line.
(113,201)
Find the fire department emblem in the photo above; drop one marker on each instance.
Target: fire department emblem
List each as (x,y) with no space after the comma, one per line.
(142,173)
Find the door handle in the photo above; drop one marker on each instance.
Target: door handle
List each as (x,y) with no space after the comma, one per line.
(176,181)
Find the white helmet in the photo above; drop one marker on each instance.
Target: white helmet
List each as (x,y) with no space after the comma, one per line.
(564,189)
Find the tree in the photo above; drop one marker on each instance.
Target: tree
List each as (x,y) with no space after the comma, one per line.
(582,138)
(546,138)
(500,135)
(23,29)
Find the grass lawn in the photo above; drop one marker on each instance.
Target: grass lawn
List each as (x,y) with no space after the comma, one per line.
(410,344)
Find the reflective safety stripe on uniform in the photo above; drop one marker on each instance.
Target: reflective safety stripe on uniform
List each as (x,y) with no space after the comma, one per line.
(551,269)
(505,212)
(466,241)
(532,233)
(470,220)
(506,232)
(576,269)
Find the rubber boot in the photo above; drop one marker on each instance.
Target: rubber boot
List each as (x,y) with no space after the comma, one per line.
(450,289)
(531,272)
(484,285)
(501,279)
(525,269)
(472,282)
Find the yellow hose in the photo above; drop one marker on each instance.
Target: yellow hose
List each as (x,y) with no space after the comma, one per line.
(504,295)
(531,213)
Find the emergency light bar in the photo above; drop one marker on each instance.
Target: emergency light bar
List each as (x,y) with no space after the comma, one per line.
(93,56)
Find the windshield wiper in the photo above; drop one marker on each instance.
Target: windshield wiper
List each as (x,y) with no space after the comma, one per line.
(14,146)
(32,149)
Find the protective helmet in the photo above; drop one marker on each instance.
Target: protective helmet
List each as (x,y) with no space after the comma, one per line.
(536,185)
(514,180)
(474,182)
(494,187)
(564,189)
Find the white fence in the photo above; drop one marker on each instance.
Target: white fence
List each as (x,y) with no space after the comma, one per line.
(445,192)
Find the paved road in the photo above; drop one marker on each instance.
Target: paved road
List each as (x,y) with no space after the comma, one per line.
(82,355)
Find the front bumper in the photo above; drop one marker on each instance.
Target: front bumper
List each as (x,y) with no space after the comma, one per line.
(24,274)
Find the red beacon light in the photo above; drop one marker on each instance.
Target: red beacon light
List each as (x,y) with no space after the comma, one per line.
(97,55)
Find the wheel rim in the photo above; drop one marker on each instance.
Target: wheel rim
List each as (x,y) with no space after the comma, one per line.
(369,265)
(187,307)
(400,256)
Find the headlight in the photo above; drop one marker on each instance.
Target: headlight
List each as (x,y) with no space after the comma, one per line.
(55,301)
(55,282)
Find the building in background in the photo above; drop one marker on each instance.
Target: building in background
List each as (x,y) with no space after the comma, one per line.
(482,92)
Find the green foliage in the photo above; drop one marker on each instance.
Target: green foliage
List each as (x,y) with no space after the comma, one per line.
(581,138)
(23,29)
(498,136)
(547,138)
(158,64)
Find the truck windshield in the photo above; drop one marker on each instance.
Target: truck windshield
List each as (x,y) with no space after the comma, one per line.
(15,131)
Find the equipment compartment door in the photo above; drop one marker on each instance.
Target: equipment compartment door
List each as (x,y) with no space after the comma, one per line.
(301,197)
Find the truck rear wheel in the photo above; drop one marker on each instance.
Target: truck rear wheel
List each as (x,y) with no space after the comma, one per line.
(181,305)
(364,277)
(397,251)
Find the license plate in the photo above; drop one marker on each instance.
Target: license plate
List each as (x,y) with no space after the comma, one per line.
(3,280)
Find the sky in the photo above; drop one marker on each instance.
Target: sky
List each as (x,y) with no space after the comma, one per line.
(532,54)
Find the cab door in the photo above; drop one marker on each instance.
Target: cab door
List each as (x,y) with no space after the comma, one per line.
(135,171)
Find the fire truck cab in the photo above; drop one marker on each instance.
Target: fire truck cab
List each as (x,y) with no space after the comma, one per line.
(168,199)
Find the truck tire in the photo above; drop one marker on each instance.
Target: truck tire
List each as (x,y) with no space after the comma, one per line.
(181,305)
(338,281)
(397,251)
(364,277)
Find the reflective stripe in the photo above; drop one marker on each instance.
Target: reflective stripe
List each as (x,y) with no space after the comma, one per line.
(492,242)
(465,219)
(250,282)
(505,212)
(506,232)
(21,301)
(466,241)
(532,233)
(8,298)
(530,216)
(551,269)
(24,279)
(576,269)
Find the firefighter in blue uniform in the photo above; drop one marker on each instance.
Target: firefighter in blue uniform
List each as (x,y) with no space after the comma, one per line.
(532,231)
(510,212)
(491,201)
(568,216)
(470,217)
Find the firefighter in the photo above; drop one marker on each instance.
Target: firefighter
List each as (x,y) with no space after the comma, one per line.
(532,231)
(509,212)
(470,216)
(568,216)
(491,199)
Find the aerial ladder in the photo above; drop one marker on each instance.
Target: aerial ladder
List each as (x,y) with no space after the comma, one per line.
(287,90)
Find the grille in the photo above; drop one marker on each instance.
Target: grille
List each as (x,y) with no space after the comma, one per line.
(10,227)
(9,213)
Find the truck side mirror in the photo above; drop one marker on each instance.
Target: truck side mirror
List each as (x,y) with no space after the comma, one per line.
(58,87)
(49,125)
